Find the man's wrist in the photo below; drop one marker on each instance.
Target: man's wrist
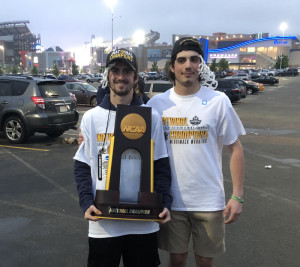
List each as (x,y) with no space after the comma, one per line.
(239,199)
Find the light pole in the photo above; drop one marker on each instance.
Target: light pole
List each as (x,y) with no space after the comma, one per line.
(2,48)
(112,4)
(283,26)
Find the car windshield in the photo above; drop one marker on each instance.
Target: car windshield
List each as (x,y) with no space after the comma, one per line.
(53,90)
(147,87)
(161,88)
(89,87)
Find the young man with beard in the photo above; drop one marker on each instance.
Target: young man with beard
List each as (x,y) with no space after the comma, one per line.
(109,240)
(198,122)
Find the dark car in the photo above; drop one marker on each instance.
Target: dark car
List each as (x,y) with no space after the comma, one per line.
(249,88)
(231,88)
(266,80)
(29,105)
(288,72)
(85,93)
(219,74)
(255,75)
(152,75)
(67,78)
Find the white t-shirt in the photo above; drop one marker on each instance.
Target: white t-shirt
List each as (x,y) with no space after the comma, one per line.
(93,127)
(197,127)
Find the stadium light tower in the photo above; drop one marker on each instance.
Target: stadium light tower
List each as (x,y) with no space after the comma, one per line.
(112,4)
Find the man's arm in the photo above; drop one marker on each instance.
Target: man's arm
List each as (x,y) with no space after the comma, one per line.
(83,179)
(234,208)
(162,184)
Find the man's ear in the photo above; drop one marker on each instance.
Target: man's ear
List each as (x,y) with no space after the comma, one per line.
(172,68)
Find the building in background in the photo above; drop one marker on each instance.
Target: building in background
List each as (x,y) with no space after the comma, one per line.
(15,41)
(45,61)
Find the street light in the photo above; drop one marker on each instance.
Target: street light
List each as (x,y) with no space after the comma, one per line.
(2,48)
(112,4)
(283,26)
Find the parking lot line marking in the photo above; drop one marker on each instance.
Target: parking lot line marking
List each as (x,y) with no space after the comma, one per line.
(70,134)
(39,210)
(17,147)
(45,177)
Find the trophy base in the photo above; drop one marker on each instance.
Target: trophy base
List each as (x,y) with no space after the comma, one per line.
(128,211)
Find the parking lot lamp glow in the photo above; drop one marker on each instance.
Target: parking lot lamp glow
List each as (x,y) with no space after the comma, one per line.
(283,26)
(112,4)
(2,48)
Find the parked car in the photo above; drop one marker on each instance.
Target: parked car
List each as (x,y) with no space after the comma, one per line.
(85,93)
(29,105)
(157,87)
(288,72)
(231,88)
(243,76)
(49,76)
(259,85)
(267,72)
(230,72)
(255,75)
(152,75)
(250,88)
(266,80)
(67,78)
(95,78)
(220,74)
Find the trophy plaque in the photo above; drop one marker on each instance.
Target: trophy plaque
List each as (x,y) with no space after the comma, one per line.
(130,155)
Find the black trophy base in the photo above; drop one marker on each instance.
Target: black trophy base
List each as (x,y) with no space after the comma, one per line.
(107,203)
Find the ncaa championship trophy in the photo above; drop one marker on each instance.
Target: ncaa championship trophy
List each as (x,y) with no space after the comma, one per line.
(132,133)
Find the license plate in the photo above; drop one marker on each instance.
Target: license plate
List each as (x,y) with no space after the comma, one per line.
(62,108)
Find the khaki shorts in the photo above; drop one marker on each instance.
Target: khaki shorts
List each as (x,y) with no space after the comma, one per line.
(206,228)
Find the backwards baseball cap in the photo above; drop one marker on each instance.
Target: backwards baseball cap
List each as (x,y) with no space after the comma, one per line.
(124,55)
(187,43)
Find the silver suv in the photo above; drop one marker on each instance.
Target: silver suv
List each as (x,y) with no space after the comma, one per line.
(29,105)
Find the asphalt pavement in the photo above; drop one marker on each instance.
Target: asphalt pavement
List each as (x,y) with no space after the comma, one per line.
(41,223)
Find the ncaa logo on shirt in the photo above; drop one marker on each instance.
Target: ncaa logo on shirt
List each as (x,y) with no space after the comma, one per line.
(204,102)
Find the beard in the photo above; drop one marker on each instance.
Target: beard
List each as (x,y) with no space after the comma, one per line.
(123,92)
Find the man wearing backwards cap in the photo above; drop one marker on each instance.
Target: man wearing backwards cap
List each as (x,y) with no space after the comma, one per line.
(198,121)
(109,240)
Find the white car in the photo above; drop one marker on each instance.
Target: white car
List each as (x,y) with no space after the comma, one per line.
(95,78)
(242,76)
(267,72)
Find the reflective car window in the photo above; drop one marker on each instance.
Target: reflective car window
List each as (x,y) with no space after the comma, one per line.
(4,88)
(161,88)
(89,87)
(18,87)
(147,87)
(77,87)
(53,90)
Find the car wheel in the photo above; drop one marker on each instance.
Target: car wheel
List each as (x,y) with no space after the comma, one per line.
(55,134)
(249,91)
(293,74)
(14,130)
(94,101)
(99,81)
(88,81)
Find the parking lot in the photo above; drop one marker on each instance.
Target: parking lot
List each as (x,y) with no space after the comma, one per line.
(41,223)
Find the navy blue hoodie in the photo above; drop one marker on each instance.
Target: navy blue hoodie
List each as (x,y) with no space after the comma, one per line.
(83,179)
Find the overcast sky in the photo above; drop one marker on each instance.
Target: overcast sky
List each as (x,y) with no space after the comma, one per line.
(70,23)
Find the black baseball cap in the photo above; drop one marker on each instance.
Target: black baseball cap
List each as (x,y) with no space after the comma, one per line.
(187,43)
(124,55)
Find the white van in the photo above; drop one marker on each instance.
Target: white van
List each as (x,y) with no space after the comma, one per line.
(157,87)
